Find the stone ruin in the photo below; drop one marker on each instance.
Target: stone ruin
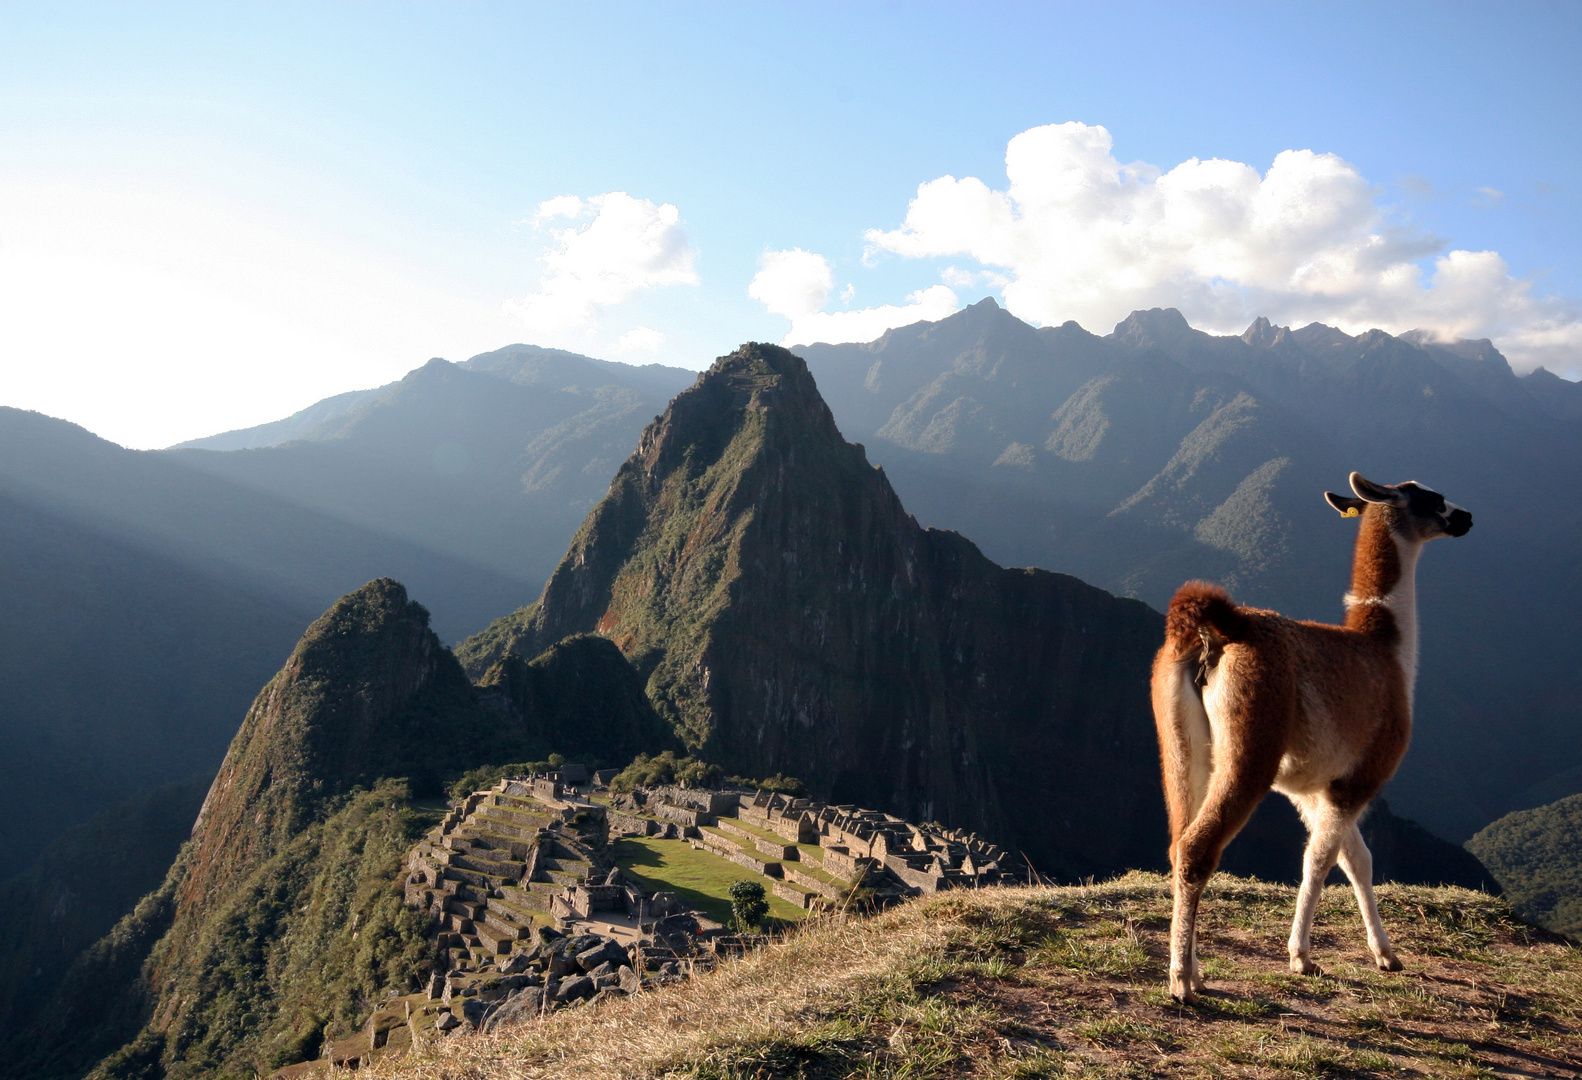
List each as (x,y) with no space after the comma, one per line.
(814,854)
(530,914)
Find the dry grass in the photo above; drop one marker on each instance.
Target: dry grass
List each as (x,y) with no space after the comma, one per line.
(1055,982)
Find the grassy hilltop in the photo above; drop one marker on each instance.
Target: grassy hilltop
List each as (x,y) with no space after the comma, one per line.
(1047,982)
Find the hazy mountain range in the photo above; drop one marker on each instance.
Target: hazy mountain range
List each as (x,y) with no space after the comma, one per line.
(152,593)
(149,594)
(493,461)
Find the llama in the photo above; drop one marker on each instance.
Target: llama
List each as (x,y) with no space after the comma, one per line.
(1248,700)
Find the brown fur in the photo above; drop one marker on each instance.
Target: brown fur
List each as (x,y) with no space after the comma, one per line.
(1375,571)
(1247,700)
(1199,604)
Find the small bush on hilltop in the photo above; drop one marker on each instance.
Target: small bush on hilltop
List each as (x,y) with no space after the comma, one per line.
(783,785)
(485,775)
(667,768)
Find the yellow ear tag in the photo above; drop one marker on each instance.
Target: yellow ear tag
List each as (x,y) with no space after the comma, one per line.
(1351,511)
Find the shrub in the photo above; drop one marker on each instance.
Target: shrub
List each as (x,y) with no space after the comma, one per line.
(667,768)
(748,906)
(784,785)
(485,775)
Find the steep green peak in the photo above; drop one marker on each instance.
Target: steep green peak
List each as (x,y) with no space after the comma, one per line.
(368,692)
(378,608)
(752,427)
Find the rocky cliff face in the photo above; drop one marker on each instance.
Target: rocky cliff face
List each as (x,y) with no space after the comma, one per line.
(790,616)
(580,697)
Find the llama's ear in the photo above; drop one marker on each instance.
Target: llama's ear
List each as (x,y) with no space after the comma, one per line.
(1368,491)
(1344,505)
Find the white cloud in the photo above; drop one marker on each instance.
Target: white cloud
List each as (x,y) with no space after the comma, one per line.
(792,283)
(797,284)
(640,339)
(627,245)
(568,206)
(865,324)
(1083,236)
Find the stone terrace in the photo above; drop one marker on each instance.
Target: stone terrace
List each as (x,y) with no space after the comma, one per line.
(814,854)
(503,861)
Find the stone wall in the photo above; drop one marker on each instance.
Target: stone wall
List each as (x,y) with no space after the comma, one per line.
(681,815)
(709,802)
(630,825)
(824,888)
(841,863)
(792,893)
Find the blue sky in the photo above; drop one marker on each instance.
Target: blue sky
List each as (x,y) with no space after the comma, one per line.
(212,215)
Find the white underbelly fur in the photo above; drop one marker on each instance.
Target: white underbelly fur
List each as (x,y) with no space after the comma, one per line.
(1317,754)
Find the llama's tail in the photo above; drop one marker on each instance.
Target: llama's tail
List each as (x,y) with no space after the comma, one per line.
(1198,606)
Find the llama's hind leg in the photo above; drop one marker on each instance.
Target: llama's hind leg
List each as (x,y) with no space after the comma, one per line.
(1357,861)
(1233,794)
(1186,755)
(1327,829)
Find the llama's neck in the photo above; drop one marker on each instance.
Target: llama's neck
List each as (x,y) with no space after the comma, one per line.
(1383,596)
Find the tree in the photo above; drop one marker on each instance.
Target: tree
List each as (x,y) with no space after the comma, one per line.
(748,905)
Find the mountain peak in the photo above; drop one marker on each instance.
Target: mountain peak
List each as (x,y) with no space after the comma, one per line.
(754,379)
(1262,334)
(1156,326)
(368,692)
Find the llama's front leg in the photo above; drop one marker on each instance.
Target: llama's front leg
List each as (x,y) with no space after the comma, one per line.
(1326,830)
(1357,861)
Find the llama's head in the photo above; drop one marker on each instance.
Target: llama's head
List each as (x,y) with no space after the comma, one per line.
(1411,510)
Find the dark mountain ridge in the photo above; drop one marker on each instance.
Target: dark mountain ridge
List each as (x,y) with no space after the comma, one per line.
(1160,453)
(146,603)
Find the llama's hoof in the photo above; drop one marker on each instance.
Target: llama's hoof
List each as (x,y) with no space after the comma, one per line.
(1301,965)
(1182,990)
(1388,962)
